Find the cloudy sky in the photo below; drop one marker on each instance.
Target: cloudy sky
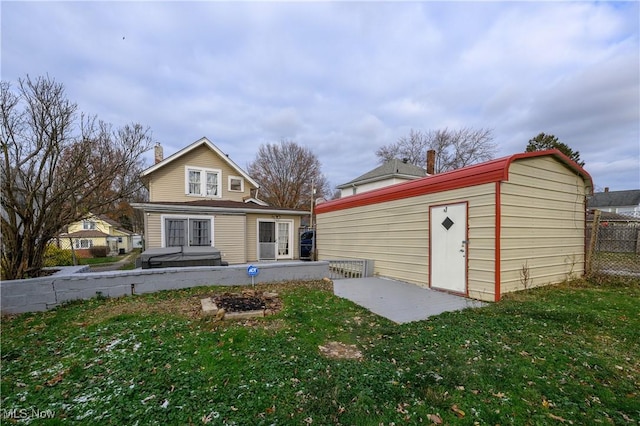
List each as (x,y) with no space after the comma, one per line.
(344,78)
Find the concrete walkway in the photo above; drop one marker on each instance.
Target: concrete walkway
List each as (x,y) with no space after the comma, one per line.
(104,267)
(399,301)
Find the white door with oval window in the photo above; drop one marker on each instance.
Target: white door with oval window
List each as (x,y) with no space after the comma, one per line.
(448,242)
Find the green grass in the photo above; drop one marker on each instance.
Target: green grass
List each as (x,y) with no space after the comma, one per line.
(569,353)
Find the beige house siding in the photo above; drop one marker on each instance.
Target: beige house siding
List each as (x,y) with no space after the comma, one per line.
(168,182)
(152,231)
(235,235)
(543,223)
(395,235)
(229,233)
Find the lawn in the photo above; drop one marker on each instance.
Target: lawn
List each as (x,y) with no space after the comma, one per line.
(567,354)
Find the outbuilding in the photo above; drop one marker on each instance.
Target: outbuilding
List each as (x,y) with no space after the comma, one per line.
(480,231)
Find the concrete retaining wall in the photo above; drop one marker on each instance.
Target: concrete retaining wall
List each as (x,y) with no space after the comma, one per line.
(73,283)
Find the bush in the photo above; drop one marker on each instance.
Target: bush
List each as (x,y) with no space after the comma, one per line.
(55,256)
(99,251)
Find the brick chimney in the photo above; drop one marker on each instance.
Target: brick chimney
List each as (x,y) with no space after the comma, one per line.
(431,162)
(158,152)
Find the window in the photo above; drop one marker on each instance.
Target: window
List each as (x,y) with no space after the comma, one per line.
(203,182)
(236,184)
(88,224)
(188,232)
(82,244)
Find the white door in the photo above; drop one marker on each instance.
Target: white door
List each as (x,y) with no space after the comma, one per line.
(266,240)
(284,240)
(448,242)
(274,240)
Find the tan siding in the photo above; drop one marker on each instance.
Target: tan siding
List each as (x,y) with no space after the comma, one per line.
(168,182)
(252,237)
(542,224)
(396,236)
(153,238)
(229,237)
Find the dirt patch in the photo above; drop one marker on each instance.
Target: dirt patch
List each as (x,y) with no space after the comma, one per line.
(338,350)
(189,306)
(249,300)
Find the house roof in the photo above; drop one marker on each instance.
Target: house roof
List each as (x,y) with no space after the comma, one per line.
(200,142)
(491,171)
(116,225)
(615,199)
(215,206)
(390,169)
(611,217)
(89,233)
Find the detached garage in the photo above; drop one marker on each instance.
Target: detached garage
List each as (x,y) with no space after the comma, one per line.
(481,231)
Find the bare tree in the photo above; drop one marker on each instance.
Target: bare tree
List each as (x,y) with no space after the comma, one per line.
(454,148)
(286,173)
(57,166)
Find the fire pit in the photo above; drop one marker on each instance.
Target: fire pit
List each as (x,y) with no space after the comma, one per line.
(248,304)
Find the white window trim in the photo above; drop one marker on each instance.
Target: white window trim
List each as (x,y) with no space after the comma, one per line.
(291,236)
(203,181)
(187,217)
(77,244)
(241,179)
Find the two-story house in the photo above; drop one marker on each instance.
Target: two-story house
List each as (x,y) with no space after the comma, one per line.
(199,197)
(389,173)
(94,231)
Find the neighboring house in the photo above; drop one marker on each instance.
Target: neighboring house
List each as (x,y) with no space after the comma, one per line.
(625,203)
(391,172)
(96,230)
(480,231)
(200,197)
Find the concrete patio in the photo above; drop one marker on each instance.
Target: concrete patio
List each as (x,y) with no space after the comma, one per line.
(399,301)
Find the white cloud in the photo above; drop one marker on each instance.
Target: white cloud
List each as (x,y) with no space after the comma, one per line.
(345,78)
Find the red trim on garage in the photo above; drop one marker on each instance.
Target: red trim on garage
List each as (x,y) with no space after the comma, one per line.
(492,171)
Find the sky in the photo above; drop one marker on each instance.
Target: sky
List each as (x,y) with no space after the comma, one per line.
(345,78)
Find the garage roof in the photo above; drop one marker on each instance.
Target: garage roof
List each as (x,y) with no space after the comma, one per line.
(491,171)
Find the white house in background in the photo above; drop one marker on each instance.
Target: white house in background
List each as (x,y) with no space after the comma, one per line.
(625,203)
(391,172)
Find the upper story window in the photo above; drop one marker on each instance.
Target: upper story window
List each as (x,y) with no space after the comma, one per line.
(88,224)
(203,182)
(236,184)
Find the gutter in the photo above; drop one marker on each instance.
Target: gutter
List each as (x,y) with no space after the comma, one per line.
(164,208)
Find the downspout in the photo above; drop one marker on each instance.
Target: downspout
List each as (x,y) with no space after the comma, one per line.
(498,226)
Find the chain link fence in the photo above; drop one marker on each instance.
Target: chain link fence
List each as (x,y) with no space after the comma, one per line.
(613,244)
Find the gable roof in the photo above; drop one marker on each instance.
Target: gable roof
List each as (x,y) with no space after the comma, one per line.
(615,199)
(491,171)
(117,226)
(200,142)
(390,169)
